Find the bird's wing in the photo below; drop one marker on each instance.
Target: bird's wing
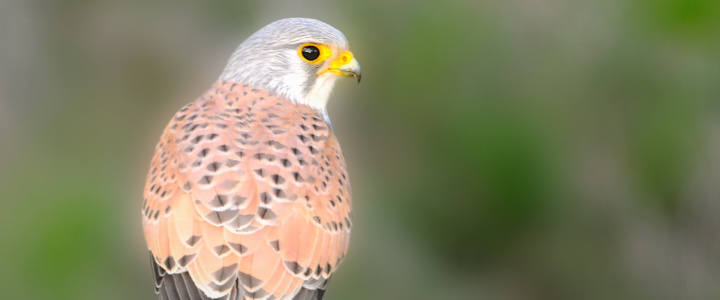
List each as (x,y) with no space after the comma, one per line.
(248,187)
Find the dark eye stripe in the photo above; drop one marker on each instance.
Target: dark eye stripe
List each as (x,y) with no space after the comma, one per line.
(310,53)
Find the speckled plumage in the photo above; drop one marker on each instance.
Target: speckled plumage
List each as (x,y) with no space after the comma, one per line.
(247,198)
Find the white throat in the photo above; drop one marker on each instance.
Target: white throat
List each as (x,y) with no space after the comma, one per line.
(318,96)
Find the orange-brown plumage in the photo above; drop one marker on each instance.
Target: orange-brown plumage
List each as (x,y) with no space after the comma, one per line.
(247,193)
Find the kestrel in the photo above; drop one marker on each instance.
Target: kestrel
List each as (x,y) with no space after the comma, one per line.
(247,195)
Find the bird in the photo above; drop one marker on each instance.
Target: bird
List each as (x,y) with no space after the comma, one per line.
(247,195)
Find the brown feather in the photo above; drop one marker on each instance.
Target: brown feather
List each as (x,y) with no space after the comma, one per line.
(247,187)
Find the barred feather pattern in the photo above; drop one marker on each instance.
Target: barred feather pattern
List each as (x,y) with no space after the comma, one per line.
(247,198)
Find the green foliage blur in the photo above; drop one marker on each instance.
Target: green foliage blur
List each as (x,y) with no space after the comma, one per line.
(541,149)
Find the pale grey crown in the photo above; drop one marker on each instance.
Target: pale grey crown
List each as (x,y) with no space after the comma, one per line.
(269,58)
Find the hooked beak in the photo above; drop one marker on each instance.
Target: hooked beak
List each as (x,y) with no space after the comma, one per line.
(346,65)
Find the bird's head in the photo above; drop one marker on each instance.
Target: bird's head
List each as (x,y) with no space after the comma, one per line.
(297,58)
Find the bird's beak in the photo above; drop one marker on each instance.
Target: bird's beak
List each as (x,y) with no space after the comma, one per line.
(346,65)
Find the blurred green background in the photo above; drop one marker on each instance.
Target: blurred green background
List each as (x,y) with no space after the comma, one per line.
(506,149)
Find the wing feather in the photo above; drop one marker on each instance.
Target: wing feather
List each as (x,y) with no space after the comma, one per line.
(247,196)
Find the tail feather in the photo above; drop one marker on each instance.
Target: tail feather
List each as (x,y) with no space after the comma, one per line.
(181,286)
(310,294)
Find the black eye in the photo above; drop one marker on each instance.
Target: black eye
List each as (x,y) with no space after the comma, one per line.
(310,53)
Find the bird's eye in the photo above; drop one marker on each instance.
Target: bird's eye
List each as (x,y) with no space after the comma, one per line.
(310,53)
(314,53)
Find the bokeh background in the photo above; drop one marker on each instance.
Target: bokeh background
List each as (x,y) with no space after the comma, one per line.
(499,149)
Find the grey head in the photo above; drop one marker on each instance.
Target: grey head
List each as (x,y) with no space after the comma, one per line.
(296,58)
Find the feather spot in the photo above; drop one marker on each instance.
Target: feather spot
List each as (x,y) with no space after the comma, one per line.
(275,245)
(266,213)
(277,179)
(294,267)
(169,262)
(221,249)
(239,248)
(185,260)
(197,139)
(241,221)
(328,268)
(193,240)
(279,193)
(265,198)
(224,273)
(249,281)
(214,166)
(237,200)
(219,201)
(298,177)
(205,180)
(231,163)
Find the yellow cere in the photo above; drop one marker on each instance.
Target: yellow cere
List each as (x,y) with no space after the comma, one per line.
(325,52)
(344,59)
